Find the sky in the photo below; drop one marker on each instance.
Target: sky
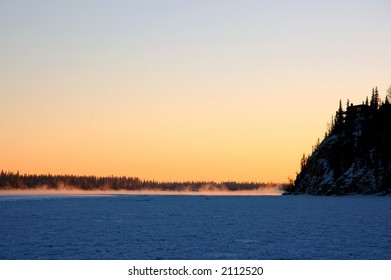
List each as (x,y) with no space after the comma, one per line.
(182,90)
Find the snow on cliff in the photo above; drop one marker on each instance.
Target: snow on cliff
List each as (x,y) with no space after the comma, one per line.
(355,158)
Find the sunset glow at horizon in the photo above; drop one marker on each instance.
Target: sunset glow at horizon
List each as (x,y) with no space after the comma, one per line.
(182,90)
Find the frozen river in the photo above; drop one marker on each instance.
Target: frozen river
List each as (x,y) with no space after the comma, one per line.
(195,227)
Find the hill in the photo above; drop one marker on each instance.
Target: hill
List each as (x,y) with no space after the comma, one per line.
(354,157)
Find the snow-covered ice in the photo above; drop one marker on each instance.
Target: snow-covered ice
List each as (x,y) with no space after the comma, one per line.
(195,227)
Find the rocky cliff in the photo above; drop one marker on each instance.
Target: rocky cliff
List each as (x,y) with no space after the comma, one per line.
(354,158)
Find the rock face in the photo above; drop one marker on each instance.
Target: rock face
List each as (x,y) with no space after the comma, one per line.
(354,158)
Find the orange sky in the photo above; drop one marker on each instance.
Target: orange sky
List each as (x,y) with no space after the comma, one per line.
(182,91)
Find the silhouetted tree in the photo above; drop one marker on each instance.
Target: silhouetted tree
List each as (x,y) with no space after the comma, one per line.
(388,96)
(303,162)
(375,99)
(339,117)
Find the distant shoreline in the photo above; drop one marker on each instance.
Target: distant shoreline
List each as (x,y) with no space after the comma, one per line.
(75,192)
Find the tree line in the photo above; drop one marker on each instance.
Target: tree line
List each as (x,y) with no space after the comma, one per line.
(10,180)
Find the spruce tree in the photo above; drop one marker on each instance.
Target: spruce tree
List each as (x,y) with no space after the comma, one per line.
(303,162)
(377,99)
(388,96)
(372,103)
(339,116)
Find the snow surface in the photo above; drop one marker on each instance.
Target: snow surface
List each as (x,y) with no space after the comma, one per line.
(195,227)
